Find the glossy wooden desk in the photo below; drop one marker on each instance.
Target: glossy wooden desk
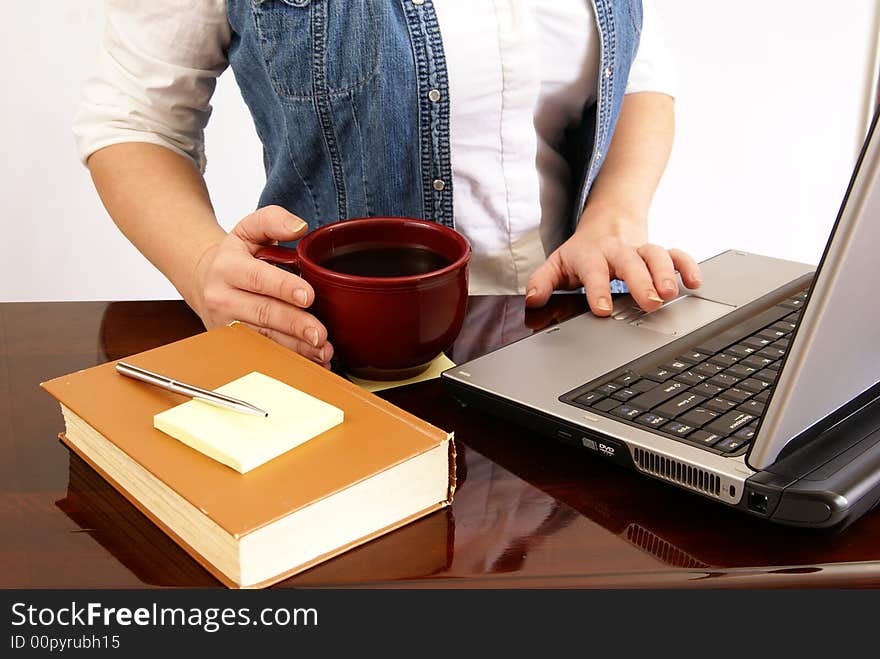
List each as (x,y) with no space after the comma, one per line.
(528,512)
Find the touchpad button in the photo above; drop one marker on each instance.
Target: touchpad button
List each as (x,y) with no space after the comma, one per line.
(682,316)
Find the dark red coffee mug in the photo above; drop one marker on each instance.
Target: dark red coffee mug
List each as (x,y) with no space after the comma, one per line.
(383,327)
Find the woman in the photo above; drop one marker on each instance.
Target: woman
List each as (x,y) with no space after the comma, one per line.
(539,129)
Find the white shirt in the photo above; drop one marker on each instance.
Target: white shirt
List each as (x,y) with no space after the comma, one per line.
(512,95)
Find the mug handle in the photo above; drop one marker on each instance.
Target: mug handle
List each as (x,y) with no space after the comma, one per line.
(280,256)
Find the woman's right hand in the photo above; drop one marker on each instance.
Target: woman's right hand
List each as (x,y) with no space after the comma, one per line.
(231,284)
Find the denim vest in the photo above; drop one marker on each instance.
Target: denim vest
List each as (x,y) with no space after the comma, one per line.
(351,102)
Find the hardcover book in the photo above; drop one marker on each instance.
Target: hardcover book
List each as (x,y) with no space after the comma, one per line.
(377,470)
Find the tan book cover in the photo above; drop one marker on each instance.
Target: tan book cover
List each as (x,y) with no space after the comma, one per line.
(260,520)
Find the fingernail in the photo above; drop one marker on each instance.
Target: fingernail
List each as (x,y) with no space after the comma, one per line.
(604,304)
(668,285)
(696,278)
(294,224)
(651,295)
(301,297)
(321,354)
(531,292)
(312,336)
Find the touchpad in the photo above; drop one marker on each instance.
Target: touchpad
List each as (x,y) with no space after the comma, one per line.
(682,316)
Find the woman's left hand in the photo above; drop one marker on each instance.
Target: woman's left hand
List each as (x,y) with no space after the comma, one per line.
(609,246)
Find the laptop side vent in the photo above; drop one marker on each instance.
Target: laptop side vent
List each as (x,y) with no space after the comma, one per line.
(677,472)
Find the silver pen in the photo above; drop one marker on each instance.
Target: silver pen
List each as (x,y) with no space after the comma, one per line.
(178,387)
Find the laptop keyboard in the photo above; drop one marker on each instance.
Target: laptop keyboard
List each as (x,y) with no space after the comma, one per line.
(711,395)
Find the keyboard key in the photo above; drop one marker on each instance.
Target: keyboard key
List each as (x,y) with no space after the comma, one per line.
(624,395)
(676,366)
(756,342)
(721,405)
(627,379)
(703,437)
(729,423)
(785,325)
(764,396)
(741,371)
(659,394)
(775,366)
(690,378)
(627,412)
(693,357)
(740,350)
(746,434)
(754,385)
(723,380)
(706,389)
(792,303)
(659,374)
(609,388)
(652,420)
(757,362)
(698,417)
(642,386)
(771,334)
(736,395)
(605,405)
(771,353)
(589,398)
(752,407)
(767,375)
(782,344)
(678,405)
(730,444)
(724,359)
(678,429)
(707,369)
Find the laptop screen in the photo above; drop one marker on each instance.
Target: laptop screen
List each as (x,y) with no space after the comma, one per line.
(835,351)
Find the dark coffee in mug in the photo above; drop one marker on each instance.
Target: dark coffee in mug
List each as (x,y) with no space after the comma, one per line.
(385,261)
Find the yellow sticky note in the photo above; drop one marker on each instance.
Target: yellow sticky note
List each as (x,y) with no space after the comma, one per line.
(243,441)
(440,364)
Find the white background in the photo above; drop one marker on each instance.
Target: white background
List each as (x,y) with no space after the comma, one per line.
(773,101)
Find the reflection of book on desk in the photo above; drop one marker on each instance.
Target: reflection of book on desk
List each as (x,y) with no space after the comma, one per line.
(114,523)
(376,471)
(416,550)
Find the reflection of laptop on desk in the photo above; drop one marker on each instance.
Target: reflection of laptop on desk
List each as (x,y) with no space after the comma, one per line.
(761,390)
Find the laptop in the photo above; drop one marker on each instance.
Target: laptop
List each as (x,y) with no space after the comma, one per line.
(760,390)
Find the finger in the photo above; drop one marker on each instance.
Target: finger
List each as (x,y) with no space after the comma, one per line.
(269,224)
(661,268)
(263,278)
(630,267)
(272,314)
(543,282)
(687,267)
(593,272)
(320,355)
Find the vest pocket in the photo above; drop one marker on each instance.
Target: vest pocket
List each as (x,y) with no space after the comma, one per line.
(317,47)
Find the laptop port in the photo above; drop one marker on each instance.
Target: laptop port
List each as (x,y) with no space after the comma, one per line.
(757,503)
